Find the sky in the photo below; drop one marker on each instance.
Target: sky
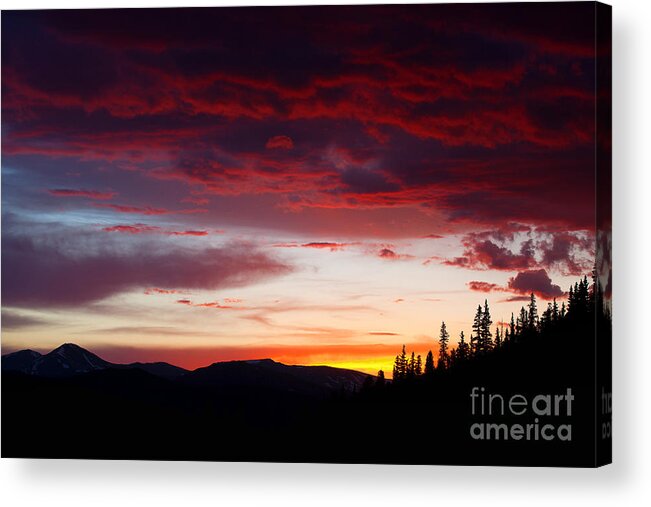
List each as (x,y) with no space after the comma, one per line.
(318,185)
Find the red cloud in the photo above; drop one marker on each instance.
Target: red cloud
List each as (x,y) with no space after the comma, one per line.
(215,304)
(333,247)
(324,244)
(483,286)
(189,233)
(529,135)
(89,194)
(156,290)
(389,254)
(132,229)
(280,142)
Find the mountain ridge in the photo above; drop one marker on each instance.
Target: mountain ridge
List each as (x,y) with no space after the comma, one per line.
(69,360)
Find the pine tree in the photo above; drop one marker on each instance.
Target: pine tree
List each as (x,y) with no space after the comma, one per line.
(512,327)
(453,358)
(522,322)
(463,350)
(400,366)
(429,365)
(532,320)
(546,319)
(584,294)
(486,335)
(411,367)
(418,369)
(444,356)
(476,336)
(498,338)
(380,381)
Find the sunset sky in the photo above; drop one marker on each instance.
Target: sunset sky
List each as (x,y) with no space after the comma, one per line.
(314,185)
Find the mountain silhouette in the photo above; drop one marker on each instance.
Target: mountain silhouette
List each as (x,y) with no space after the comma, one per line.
(22,361)
(70,359)
(266,373)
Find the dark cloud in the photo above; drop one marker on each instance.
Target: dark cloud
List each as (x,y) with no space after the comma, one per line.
(519,247)
(65,270)
(522,285)
(16,320)
(536,281)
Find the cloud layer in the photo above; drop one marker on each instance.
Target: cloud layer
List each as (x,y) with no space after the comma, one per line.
(479,119)
(62,271)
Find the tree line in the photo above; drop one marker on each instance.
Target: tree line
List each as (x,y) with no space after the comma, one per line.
(585,305)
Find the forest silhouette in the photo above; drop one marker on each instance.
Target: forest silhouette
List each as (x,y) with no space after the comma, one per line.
(586,308)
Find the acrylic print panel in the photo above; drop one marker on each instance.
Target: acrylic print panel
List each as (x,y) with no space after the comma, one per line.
(369,234)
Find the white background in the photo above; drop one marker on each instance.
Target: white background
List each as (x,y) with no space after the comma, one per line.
(626,482)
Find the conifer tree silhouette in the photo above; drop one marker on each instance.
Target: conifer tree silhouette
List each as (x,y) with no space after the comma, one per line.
(532,314)
(453,358)
(444,357)
(411,367)
(498,338)
(463,349)
(476,336)
(486,335)
(400,366)
(380,381)
(429,365)
(522,324)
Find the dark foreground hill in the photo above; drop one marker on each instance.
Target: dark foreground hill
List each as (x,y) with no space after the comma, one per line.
(266,411)
(232,410)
